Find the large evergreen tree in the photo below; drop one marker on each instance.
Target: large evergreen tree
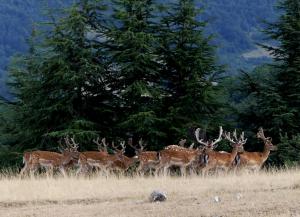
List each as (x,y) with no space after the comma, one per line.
(272,94)
(60,87)
(135,64)
(189,69)
(286,31)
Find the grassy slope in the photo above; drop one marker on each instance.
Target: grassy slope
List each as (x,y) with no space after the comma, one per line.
(263,194)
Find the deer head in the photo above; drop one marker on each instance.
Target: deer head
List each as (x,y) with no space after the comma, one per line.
(235,141)
(118,151)
(141,148)
(71,150)
(182,142)
(268,141)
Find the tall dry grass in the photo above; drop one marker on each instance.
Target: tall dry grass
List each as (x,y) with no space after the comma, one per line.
(272,193)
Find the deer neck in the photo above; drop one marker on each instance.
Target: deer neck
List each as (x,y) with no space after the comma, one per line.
(265,153)
(233,153)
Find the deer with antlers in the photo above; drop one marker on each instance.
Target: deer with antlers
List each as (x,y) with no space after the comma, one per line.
(122,163)
(207,147)
(255,160)
(148,160)
(224,160)
(100,159)
(50,160)
(177,155)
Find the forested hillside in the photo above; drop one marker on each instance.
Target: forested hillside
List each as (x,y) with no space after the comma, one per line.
(16,23)
(140,69)
(238,26)
(235,24)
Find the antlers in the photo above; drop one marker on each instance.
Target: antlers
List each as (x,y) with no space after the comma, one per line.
(208,143)
(71,146)
(141,144)
(122,144)
(235,140)
(260,134)
(103,142)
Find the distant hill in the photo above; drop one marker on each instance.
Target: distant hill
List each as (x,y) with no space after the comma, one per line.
(235,23)
(16,19)
(238,25)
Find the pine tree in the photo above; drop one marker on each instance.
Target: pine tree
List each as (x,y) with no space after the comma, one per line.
(60,87)
(271,93)
(287,56)
(189,70)
(135,65)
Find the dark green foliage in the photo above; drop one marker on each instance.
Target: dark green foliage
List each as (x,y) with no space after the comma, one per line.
(236,24)
(60,85)
(133,74)
(289,149)
(271,94)
(136,68)
(135,65)
(189,70)
(287,32)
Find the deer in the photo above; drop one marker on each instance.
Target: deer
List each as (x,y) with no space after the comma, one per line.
(180,145)
(224,160)
(148,160)
(100,159)
(122,162)
(50,160)
(207,147)
(177,155)
(255,160)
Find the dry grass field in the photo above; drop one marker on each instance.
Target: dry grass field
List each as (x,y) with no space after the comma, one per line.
(275,193)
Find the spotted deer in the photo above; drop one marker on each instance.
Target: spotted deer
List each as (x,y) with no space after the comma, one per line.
(50,160)
(148,160)
(100,160)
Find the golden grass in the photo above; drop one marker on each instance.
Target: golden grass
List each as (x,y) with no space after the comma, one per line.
(275,193)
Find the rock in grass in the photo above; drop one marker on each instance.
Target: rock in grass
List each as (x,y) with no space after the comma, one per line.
(217,199)
(238,196)
(158,196)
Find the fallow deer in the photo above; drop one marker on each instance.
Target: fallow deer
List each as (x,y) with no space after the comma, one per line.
(122,162)
(255,160)
(223,160)
(148,160)
(101,160)
(177,155)
(49,160)
(207,147)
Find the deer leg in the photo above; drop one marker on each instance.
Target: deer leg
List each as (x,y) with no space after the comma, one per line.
(49,171)
(158,170)
(34,167)
(204,171)
(141,169)
(24,169)
(166,170)
(182,171)
(79,170)
(62,170)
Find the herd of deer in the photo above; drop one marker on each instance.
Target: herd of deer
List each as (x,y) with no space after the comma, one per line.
(202,159)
